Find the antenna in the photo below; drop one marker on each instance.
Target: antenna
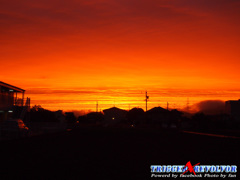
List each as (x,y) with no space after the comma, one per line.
(167,105)
(97,106)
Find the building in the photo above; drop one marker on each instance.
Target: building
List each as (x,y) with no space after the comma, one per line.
(233,108)
(114,115)
(13,104)
(164,118)
(158,115)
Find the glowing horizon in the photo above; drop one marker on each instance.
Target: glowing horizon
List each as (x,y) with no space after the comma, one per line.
(70,54)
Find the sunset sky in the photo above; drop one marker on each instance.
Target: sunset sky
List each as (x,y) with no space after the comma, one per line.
(68,54)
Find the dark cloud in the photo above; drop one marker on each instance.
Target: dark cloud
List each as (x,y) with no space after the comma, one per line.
(69,24)
(210,106)
(61,16)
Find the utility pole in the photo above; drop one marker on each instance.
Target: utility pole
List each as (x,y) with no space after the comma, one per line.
(147,97)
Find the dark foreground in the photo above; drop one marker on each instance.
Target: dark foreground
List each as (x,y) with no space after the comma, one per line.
(97,153)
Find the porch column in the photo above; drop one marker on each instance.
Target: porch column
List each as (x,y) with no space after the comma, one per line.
(15,100)
(22,98)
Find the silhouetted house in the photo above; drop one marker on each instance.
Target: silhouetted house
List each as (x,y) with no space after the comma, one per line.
(136,116)
(164,118)
(233,108)
(158,116)
(114,115)
(12,102)
(94,117)
(70,117)
(60,116)
(175,117)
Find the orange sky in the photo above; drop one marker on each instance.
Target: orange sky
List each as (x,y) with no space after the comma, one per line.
(67,54)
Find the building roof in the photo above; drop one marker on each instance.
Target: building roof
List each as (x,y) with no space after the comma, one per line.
(157,110)
(229,101)
(114,109)
(16,89)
